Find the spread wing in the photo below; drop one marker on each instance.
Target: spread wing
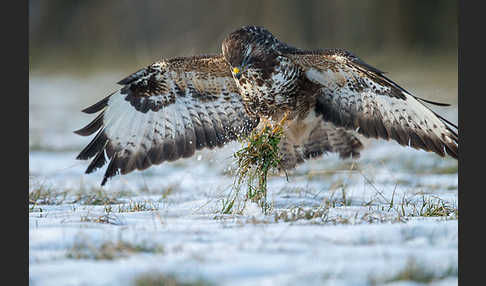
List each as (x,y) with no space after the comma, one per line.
(165,112)
(357,96)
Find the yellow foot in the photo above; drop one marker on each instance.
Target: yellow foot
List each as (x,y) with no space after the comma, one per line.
(264,124)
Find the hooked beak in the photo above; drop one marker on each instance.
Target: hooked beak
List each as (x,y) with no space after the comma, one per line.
(237,73)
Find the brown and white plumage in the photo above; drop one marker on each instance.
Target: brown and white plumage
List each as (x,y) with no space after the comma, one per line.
(335,86)
(176,106)
(355,96)
(165,112)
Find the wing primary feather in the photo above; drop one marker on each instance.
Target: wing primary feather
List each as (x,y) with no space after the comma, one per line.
(433,102)
(94,146)
(99,105)
(452,150)
(447,121)
(111,171)
(92,127)
(97,162)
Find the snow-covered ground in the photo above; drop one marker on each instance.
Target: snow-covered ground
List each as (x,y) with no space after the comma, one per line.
(388,218)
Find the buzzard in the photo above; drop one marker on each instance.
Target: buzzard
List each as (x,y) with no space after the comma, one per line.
(174,107)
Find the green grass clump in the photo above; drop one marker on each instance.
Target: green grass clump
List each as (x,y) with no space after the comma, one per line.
(436,208)
(256,160)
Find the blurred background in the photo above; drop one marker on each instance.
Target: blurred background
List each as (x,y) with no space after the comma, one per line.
(90,34)
(78,50)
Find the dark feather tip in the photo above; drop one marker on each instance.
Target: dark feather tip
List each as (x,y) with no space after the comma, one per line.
(98,106)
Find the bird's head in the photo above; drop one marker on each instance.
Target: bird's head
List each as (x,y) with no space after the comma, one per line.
(251,48)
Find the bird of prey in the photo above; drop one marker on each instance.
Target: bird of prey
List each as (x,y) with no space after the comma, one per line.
(176,106)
